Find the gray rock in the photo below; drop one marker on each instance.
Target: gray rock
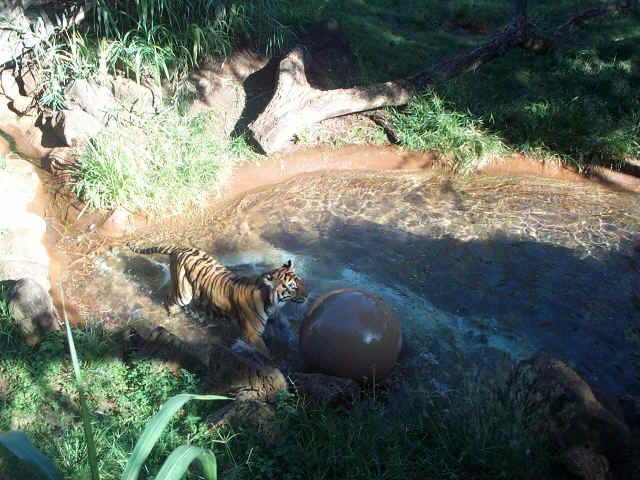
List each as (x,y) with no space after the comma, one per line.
(18,268)
(136,97)
(75,127)
(585,463)
(32,309)
(325,388)
(96,100)
(23,15)
(552,400)
(243,377)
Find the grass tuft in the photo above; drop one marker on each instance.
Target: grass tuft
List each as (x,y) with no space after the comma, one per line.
(166,163)
(429,123)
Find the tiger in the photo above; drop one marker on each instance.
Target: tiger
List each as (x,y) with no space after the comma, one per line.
(251,301)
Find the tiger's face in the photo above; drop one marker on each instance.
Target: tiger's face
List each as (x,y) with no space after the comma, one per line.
(285,284)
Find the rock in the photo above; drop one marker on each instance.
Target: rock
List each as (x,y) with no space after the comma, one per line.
(631,409)
(350,333)
(24,15)
(180,353)
(551,399)
(8,84)
(22,104)
(325,388)
(10,88)
(253,413)
(135,97)
(75,127)
(32,310)
(25,131)
(585,464)
(29,79)
(242,377)
(96,100)
(22,253)
(118,224)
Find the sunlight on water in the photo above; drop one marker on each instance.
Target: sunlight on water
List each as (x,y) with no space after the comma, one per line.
(480,272)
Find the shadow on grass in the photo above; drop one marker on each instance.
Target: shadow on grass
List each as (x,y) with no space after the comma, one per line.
(578,102)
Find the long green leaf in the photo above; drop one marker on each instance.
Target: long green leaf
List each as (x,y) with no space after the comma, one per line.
(178,462)
(18,444)
(84,410)
(154,428)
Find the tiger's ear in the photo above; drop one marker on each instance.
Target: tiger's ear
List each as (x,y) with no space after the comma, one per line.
(267,278)
(288,265)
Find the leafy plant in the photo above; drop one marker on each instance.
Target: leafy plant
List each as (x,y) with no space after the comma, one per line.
(86,419)
(18,444)
(155,37)
(174,467)
(178,462)
(168,162)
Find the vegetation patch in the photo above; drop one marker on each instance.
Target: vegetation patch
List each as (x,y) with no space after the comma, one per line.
(429,124)
(576,102)
(164,163)
(390,432)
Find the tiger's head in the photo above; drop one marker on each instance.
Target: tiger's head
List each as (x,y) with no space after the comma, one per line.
(285,285)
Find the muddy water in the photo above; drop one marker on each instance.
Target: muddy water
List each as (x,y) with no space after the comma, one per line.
(480,271)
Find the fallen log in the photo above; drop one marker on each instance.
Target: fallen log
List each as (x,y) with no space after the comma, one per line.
(296,105)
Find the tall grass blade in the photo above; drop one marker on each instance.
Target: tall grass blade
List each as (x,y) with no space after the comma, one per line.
(178,462)
(18,444)
(84,410)
(154,428)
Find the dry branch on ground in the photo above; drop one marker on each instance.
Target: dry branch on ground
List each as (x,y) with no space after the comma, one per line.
(297,105)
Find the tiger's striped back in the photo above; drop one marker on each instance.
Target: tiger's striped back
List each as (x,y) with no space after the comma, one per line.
(251,301)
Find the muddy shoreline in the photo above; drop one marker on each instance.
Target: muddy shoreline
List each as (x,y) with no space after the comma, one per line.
(75,235)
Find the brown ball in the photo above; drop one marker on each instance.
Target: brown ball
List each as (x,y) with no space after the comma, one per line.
(350,333)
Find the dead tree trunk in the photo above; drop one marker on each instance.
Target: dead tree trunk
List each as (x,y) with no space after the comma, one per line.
(296,105)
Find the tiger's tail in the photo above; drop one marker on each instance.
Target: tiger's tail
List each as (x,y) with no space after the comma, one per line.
(165,250)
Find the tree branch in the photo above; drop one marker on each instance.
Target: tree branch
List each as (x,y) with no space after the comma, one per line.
(296,105)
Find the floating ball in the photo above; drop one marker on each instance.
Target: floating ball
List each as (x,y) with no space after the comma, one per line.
(350,333)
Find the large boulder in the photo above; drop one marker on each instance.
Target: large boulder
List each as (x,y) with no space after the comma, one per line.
(21,231)
(552,400)
(119,223)
(95,99)
(113,95)
(141,97)
(75,127)
(32,310)
(23,15)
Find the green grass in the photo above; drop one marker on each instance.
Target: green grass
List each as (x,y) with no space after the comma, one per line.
(158,39)
(415,437)
(164,163)
(40,398)
(577,103)
(155,36)
(429,124)
(389,433)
